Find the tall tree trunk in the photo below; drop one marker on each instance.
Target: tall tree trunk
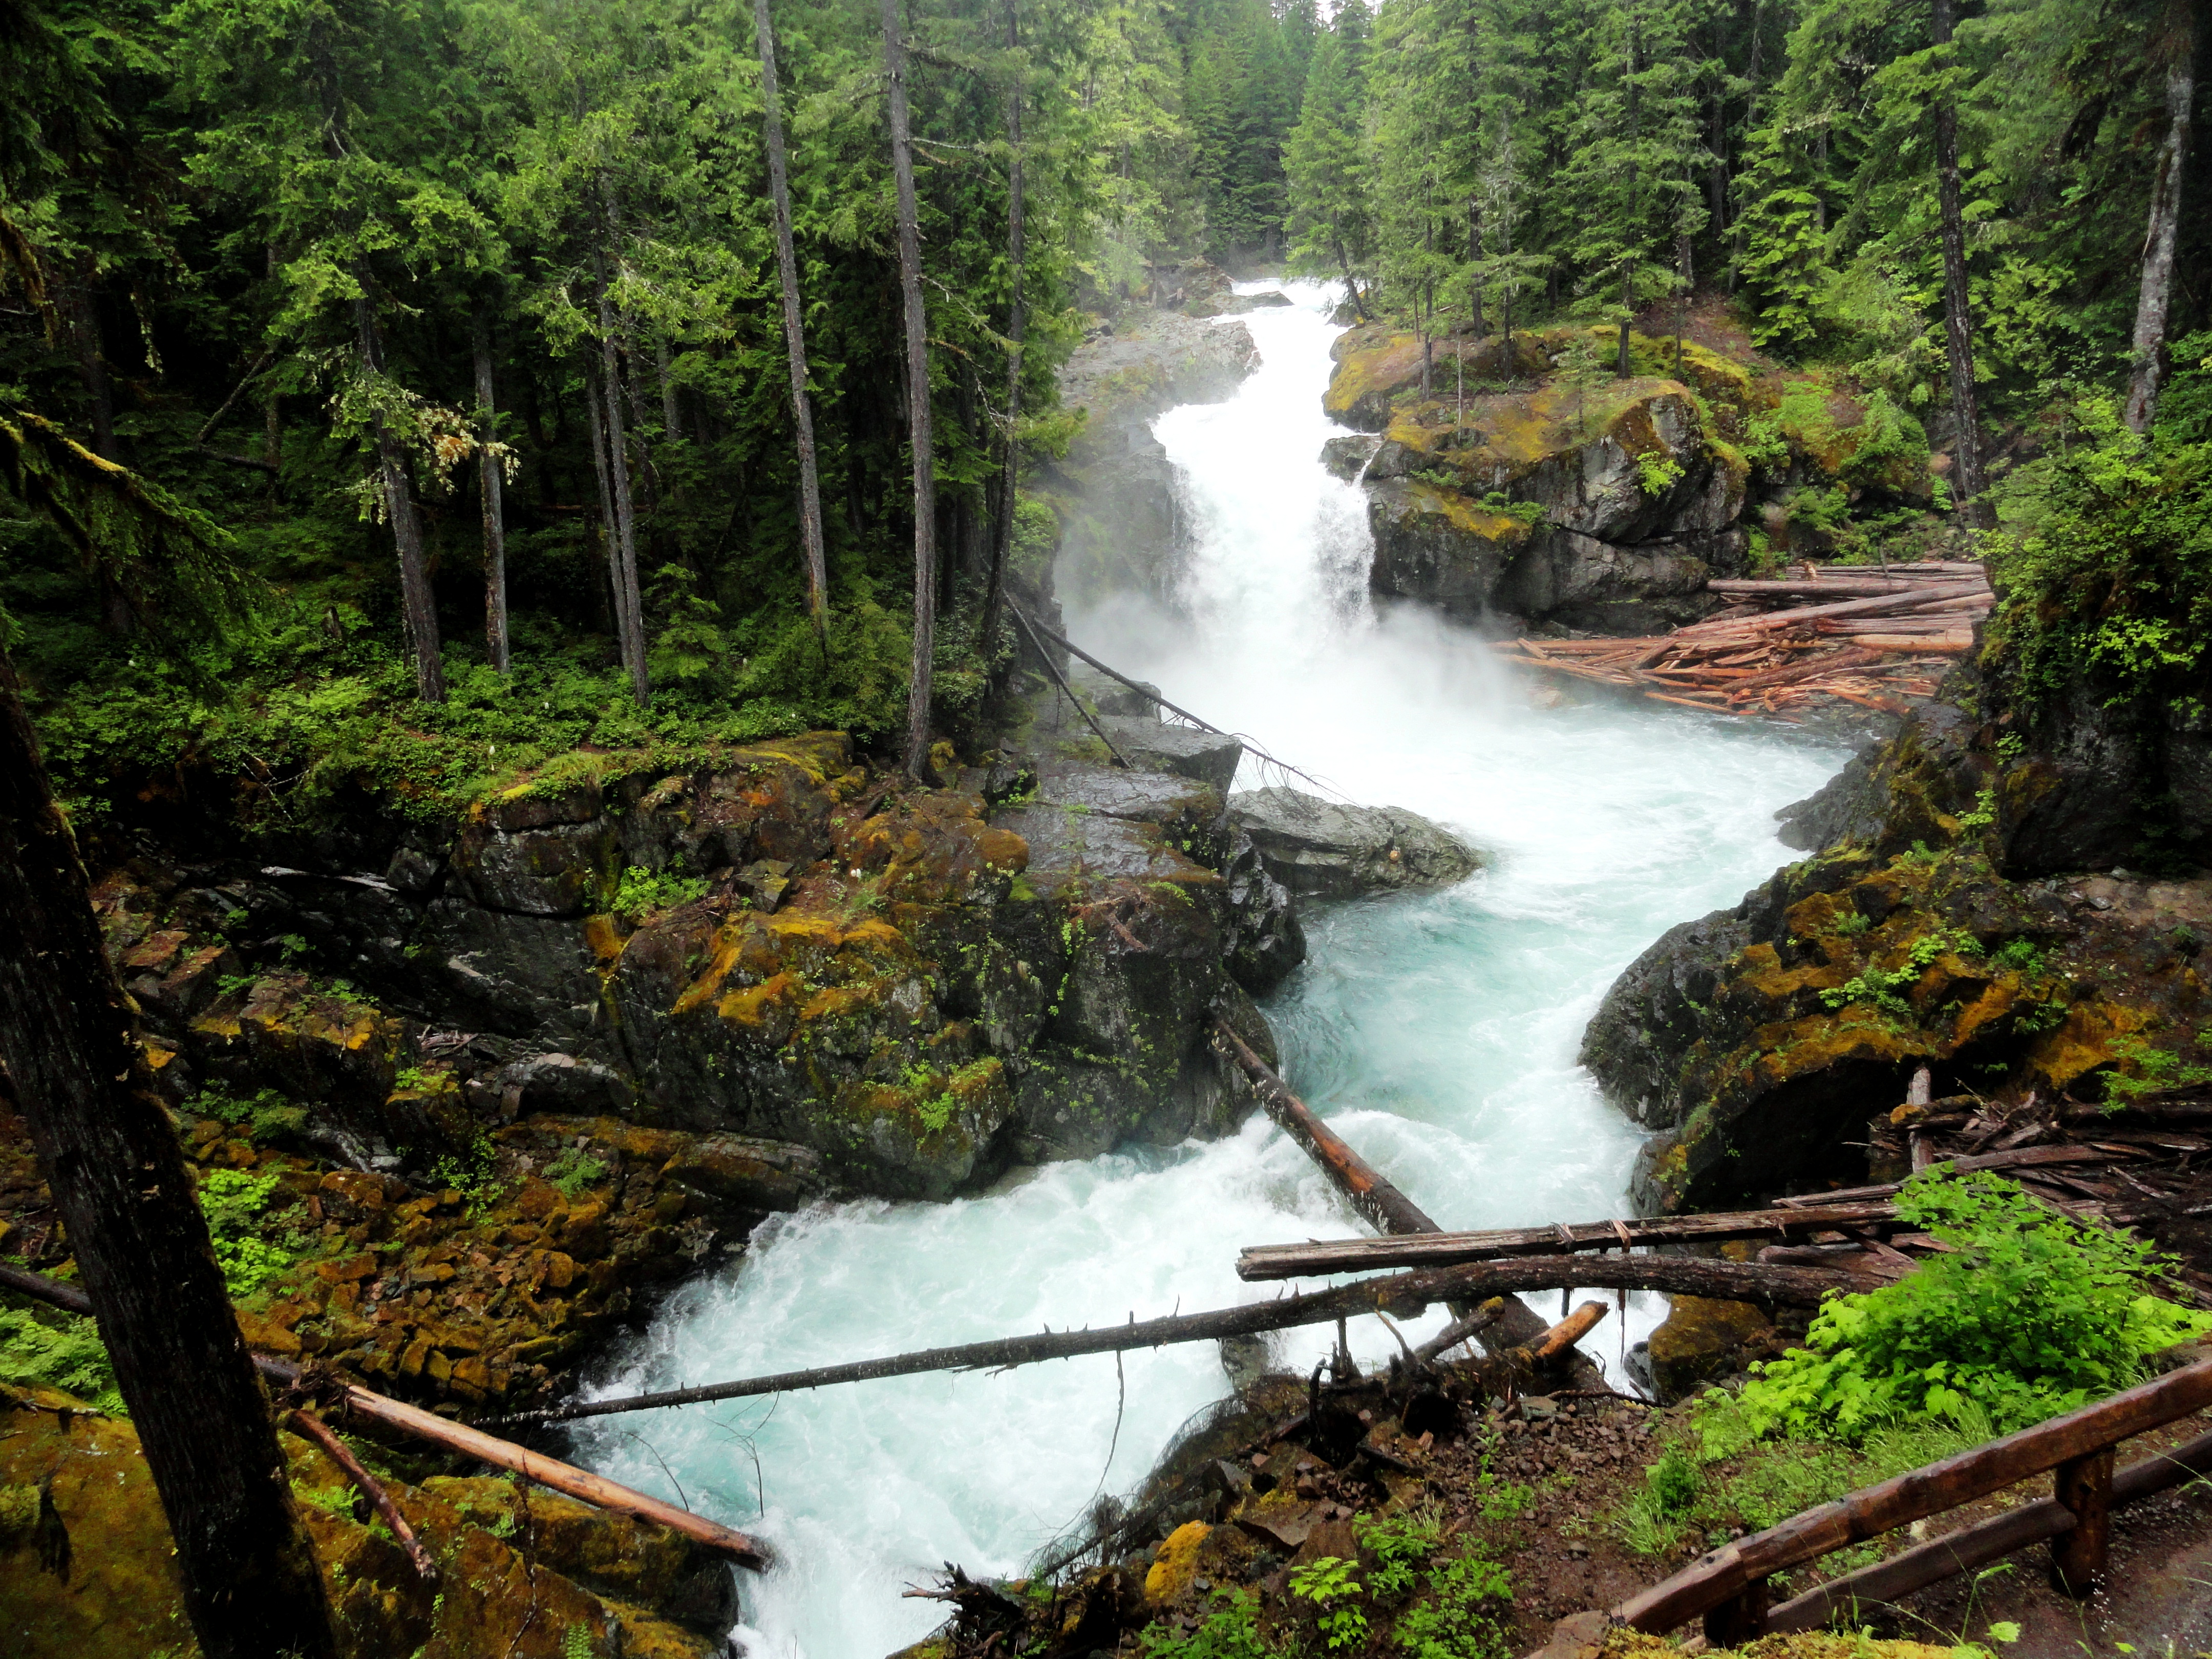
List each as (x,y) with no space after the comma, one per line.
(108,1149)
(629,606)
(609,536)
(1958,320)
(1475,266)
(418,604)
(2155,294)
(1627,315)
(795,336)
(489,481)
(1010,460)
(917,403)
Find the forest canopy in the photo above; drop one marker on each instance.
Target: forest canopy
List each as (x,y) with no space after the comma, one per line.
(459,325)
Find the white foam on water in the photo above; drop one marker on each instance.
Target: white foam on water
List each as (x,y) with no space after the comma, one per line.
(1436,1031)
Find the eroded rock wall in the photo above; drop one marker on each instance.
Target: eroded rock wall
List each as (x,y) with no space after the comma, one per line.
(919,986)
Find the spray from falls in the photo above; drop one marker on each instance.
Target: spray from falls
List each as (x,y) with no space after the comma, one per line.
(1436,1031)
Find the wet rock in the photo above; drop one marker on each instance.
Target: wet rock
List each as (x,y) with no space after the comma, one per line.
(1701,1340)
(1208,756)
(754,1175)
(1107,696)
(1317,847)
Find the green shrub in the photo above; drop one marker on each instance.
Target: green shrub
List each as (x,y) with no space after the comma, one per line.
(1401,1543)
(1465,1616)
(643,893)
(1329,1582)
(233,1203)
(2034,1315)
(267,1117)
(1230,1630)
(573,1170)
(51,1350)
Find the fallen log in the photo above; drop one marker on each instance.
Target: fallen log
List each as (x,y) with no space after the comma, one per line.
(1379,1203)
(312,1427)
(1460,1330)
(1839,587)
(1730,1281)
(579,1484)
(1917,645)
(1923,593)
(2026,1157)
(1568,1332)
(564,1478)
(1351,1255)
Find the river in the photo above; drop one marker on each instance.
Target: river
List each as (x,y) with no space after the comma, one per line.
(1437,1031)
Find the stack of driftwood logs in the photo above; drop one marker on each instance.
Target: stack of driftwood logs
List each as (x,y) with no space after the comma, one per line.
(1870,635)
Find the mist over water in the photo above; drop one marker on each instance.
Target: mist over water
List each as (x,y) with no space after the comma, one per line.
(1436,1031)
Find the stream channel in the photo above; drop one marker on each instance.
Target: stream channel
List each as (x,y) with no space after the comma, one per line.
(1437,1031)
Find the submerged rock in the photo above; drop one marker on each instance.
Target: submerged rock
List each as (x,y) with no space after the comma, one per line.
(1330,851)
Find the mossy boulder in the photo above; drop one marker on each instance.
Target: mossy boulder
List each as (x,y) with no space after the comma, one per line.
(1606,505)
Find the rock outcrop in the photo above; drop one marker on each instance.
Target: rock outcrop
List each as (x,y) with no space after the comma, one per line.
(1948,919)
(1605,504)
(1330,851)
(916,986)
(1113,491)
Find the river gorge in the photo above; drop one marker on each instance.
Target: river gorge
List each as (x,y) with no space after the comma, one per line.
(1437,1030)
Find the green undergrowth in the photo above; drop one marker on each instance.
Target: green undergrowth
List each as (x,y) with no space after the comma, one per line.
(2030,1315)
(308,705)
(239,1208)
(46,1348)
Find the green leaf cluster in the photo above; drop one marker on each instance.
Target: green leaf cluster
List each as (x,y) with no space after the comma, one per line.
(2030,1314)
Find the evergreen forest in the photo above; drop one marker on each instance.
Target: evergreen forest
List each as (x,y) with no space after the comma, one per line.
(453,335)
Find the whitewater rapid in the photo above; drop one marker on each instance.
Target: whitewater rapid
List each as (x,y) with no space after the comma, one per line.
(1438,1031)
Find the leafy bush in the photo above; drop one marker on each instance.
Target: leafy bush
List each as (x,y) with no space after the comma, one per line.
(1329,1582)
(2103,561)
(266,1117)
(2034,1315)
(1464,1619)
(1401,1543)
(643,893)
(1230,1630)
(233,1203)
(573,1170)
(48,1350)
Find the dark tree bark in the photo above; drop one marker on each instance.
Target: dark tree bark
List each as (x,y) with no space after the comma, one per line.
(1627,316)
(629,606)
(2154,296)
(1957,318)
(1474,263)
(917,398)
(795,336)
(489,482)
(251,1586)
(418,604)
(1010,462)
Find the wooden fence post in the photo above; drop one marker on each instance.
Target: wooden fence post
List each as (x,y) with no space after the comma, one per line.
(2078,1556)
(1741,1618)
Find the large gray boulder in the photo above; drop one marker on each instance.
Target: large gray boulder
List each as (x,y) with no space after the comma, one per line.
(1317,847)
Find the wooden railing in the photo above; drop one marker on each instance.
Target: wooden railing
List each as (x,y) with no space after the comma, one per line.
(1729,1587)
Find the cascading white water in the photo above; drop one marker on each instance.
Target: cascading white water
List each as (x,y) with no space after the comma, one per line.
(1436,1031)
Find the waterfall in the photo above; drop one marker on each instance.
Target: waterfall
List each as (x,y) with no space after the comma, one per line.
(1438,1031)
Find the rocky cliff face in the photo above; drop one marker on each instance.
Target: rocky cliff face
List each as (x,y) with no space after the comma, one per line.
(917,986)
(2004,895)
(1113,491)
(1602,505)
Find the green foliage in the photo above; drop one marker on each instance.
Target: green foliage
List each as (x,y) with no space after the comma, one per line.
(46,1349)
(573,1170)
(1229,1630)
(641,895)
(1465,1616)
(2033,1314)
(1400,1544)
(1881,986)
(265,1118)
(235,1204)
(2153,1070)
(1657,473)
(2103,559)
(473,1172)
(576,1642)
(1674,1482)
(1332,1585)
